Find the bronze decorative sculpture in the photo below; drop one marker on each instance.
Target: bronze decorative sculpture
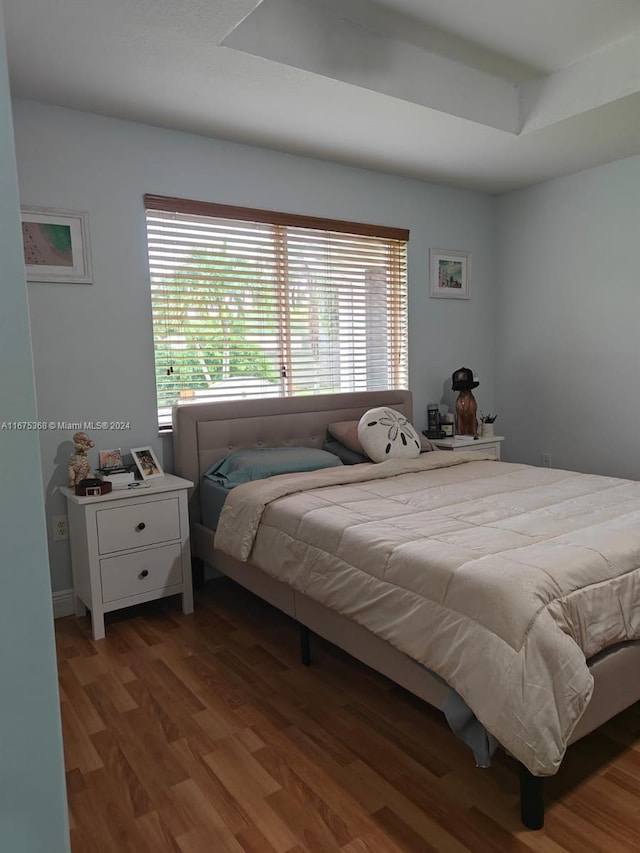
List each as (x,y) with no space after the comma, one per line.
(466,406)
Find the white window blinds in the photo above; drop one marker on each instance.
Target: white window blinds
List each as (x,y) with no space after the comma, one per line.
(251,303)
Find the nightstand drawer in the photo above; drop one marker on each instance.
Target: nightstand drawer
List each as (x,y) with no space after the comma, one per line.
(484,448)
(137,525)
(142,571)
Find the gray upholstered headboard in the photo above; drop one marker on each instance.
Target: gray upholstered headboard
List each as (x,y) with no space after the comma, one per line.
(203,433)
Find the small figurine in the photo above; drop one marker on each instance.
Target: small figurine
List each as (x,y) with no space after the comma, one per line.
(79,468)
(466,406)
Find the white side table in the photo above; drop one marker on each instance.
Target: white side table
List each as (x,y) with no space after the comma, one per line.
(130,546)
(485,445)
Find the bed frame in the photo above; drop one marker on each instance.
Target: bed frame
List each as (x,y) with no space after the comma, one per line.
(203,433)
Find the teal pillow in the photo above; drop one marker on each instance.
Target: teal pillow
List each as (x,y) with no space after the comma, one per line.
(246,465)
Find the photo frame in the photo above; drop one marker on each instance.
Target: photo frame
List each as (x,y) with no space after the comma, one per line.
(447,429)
(146,462)
(450,274)
(56,245)
(110,458)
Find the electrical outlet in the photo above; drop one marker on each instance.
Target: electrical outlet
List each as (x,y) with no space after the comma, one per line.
(546,460)
(60,525)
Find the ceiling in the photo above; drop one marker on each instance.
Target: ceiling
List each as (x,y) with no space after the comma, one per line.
(490,95)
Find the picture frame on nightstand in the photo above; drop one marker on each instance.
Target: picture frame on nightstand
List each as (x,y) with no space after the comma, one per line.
(146,462)
(110,458)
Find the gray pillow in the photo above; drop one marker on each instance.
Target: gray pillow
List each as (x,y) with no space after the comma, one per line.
(344,453)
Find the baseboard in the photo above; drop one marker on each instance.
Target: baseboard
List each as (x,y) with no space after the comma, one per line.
(63,603)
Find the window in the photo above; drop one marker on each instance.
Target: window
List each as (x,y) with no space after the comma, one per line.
(252,303)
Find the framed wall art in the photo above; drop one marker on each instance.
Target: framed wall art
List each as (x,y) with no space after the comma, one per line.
(450,274)
(56,245)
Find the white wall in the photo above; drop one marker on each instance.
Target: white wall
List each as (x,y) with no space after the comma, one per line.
(33,814)
(92,344)
(568,321)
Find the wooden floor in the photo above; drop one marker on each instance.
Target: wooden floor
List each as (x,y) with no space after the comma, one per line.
(204,734)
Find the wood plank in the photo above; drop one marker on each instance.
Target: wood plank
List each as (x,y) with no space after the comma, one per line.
(250,785)
(406,837)
(156,835)
(205,817)
(132,797)
(383,799)
(79,751)
(220,798)
(253,841)
(302,807)
(79,700)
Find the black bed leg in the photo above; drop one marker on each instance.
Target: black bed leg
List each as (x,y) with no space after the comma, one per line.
(531,799)
(197,572)
(305,645)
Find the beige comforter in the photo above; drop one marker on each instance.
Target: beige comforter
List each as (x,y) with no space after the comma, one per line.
(501,578)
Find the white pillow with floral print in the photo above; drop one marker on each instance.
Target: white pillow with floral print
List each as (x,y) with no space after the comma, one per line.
(386,434)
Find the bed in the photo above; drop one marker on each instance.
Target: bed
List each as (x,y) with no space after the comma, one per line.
(205,433)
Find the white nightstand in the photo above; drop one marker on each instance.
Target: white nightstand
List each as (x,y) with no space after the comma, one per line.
(486,445)
(130,546)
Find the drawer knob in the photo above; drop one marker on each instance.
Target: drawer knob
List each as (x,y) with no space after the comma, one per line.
(144,573)
(140,526)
